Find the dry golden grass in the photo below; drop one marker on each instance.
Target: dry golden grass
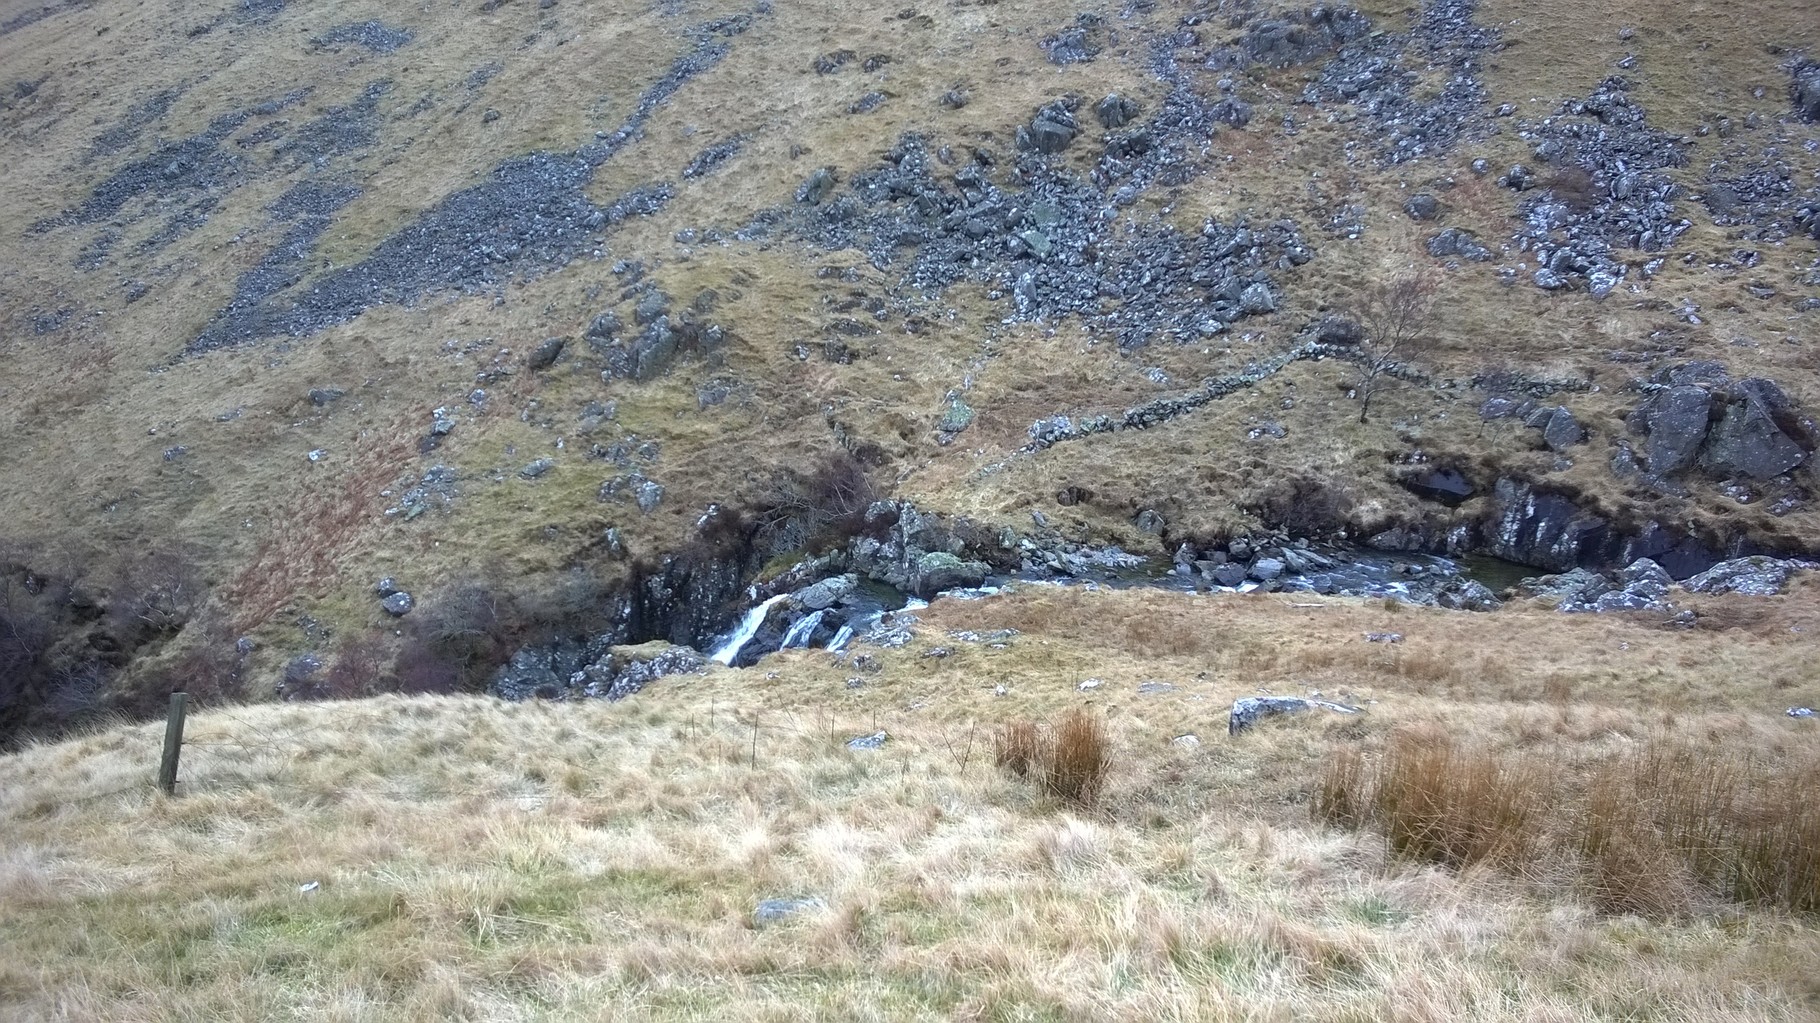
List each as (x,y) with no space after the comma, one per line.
(602,861)
(1663,827)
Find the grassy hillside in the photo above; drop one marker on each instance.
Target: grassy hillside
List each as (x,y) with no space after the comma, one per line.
(214,209)
(463,858)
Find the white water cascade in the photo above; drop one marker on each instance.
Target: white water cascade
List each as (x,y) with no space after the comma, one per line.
(748,627)
(801,630)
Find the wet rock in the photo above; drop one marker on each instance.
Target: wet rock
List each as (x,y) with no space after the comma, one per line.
(398,604)
(1249,710)
(545,355)
(1266,569)
(387,586)
(1464,594)
(1532,527)
(939,570)
(827,593)
(1230,574)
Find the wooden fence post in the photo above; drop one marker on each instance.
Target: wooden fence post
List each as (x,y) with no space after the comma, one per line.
(173,743)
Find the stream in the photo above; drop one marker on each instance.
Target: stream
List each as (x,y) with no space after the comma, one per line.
(831,612)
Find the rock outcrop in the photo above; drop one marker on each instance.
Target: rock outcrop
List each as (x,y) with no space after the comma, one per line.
(1745,428)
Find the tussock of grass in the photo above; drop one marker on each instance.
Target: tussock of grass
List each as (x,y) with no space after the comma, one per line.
(1076,766)
(1655,830)
(1069,761)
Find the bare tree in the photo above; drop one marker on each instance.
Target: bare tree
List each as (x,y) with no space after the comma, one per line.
(1397,317)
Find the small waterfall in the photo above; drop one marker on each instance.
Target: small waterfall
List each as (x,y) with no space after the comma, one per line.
(841,638)
(801,630)
(748,627)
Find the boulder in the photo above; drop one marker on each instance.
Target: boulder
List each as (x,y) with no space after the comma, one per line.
(1464,594)
(1115,111)
(864,742)
(1576,587)
(1804,90)
(1749,439)
(939,570)
(1249,710)
(827,593)
(1266,569)
(1562,431)
(545,355)
(398,604)
(1674,421)
(772,911)
(1230,574)
(1050,131)
(1422,206)
(1753,577)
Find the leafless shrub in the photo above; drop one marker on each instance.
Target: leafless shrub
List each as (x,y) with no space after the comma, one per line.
(1397,316)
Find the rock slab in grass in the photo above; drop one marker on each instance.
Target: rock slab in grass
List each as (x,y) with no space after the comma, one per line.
(1249,710)
(772,911)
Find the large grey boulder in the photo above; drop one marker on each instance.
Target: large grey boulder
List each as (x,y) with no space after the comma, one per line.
(1249,710)
(1753,577)
(827,593)
(1562,431)
(939,570)
(1675,421)
(1805,90)
(1749,438)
